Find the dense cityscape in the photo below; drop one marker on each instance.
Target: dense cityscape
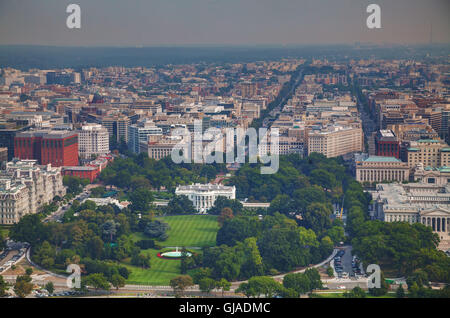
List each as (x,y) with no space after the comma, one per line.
(218,158)
(87,178)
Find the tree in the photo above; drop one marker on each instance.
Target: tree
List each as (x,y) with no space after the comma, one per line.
(282,249)
(317,217)
(140,199)
(224,285)
(206,284)
(298,282)
(50,287)
(23,286)
(245,289)
(201,273)
(180,205)
(97,280)
(29,229)
(73,184)
(117,281)
(263,285)
(29,271)
(323,178)
(109,229)
(330,271)
(184,261)
(237,229)
(141,260)
(226,214)
(282,204)
(3,287)
(223,202)
(45,255)
(356,292)
(180,283)
(157,229)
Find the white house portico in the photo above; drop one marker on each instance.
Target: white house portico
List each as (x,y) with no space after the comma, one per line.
(203,196)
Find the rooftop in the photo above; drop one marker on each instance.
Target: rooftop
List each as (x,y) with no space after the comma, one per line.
(382,159)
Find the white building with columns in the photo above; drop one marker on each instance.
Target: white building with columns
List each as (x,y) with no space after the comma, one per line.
(421,202)
(203,196)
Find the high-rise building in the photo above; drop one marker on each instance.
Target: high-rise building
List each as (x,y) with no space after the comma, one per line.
(7,133)
(117,126)
(140,132)
(93,140)
(55,147)
(387,144)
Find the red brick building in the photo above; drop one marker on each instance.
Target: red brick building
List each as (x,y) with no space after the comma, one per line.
(387,144)
(84,172)
(59,148)
(89,171)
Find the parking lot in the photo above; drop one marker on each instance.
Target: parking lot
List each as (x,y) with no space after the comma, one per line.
(346,265)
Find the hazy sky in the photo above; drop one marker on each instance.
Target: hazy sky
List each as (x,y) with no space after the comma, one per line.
(197,22)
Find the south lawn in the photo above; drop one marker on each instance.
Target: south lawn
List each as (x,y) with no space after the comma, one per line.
(188,230)
(185,230)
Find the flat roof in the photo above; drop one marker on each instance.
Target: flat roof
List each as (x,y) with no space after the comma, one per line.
(382,159)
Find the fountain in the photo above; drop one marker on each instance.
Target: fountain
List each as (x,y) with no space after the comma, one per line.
(173,254)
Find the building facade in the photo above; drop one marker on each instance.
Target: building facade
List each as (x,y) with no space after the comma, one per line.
(139,133)
(93,140)
(25,187)
(203,196)
(387,144)
(429,153)
(421,202)
(378,169)
(56,147)
(439,176)
(336,141)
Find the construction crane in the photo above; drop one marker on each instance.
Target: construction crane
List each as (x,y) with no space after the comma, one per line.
(342,207)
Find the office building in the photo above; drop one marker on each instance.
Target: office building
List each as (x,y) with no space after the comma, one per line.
(93,140)
(55,147)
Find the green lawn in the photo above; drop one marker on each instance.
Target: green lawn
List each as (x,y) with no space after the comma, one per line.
(185,230)
(191,230)
(160,273)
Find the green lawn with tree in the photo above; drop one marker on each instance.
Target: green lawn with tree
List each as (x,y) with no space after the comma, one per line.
(185,230)
(160,273)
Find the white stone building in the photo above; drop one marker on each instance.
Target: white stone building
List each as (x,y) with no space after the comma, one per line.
(93,139)
(26,186)
(421,202)
(203,196)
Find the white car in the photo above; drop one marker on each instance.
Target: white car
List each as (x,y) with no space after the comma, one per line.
(341,287)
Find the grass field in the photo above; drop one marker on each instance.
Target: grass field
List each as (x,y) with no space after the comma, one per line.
(185,230)
(160,273)
(191,230)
